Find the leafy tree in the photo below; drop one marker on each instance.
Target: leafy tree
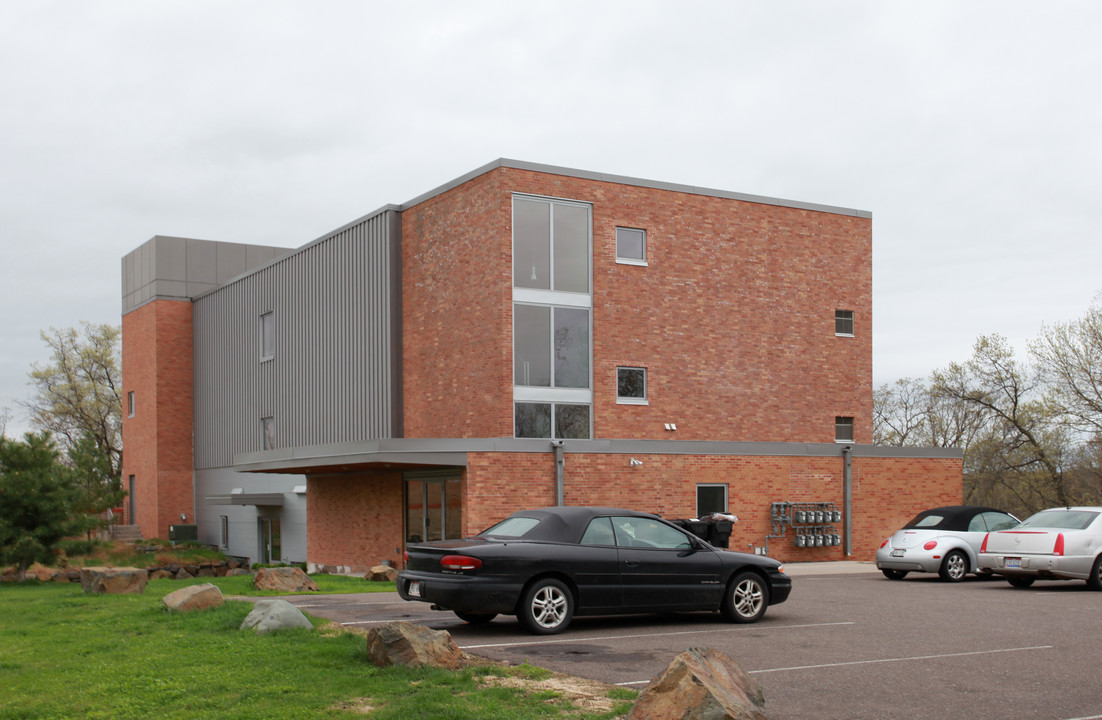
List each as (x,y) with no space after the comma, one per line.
(95,488)
(77,394)
(1022,451)
(1069,356)
(36,501)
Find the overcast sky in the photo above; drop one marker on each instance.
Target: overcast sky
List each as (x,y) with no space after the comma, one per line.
(971,131)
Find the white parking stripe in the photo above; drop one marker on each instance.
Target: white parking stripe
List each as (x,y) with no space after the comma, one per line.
(709,631)
(888,660)
(903,659)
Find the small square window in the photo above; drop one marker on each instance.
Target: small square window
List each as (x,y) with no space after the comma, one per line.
(843,322)
(267,336)
(843,429)
(631,385)
(130,403)
(710,499)
(631,246)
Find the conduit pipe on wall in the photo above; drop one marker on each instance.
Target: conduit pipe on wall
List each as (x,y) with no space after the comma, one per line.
(560,463)
(847,497)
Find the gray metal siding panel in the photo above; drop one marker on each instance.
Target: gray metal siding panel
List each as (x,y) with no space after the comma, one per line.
(333,375)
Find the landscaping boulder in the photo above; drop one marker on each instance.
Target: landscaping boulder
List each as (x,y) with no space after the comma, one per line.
(284,579)
(381,573)
(193,597)
(402,643)
(701,684)
(270,614)
(113,581)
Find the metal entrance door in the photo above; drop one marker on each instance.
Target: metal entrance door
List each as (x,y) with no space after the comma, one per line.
(433,509)
(270,549)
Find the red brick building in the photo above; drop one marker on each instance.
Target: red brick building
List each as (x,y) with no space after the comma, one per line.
(522,336)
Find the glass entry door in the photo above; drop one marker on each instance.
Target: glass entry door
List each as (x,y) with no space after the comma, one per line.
(433,509)
(268,531)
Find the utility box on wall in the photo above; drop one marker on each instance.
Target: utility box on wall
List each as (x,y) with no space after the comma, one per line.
(183,533)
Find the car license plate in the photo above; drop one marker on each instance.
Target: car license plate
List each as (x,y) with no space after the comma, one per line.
(415,588)
(1013,562)
(897,553)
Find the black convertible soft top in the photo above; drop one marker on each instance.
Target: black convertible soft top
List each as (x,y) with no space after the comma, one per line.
(566,524)
(953,517)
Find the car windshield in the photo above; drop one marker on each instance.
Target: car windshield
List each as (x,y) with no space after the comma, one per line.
(513,527)
(926,520)
(1061,519)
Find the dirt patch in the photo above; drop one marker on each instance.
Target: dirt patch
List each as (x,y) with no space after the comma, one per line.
(587,695)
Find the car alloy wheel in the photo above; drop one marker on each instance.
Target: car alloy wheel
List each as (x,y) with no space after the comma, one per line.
(547,607)
(1094,582)
(954,567)
(746,599)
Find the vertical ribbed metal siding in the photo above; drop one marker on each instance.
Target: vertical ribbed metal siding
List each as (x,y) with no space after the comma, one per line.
(335,374)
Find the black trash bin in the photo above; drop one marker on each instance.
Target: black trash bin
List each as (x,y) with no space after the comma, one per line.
(719,532)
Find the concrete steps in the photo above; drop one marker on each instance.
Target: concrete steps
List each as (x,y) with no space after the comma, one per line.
(126,533)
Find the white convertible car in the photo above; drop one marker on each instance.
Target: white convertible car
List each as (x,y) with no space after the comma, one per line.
(1054,544)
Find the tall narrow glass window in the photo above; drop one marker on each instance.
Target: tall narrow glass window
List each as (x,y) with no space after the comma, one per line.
(267,336)
(552,318)
(531,244)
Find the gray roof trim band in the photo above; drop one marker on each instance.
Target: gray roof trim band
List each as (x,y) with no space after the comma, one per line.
(453,452)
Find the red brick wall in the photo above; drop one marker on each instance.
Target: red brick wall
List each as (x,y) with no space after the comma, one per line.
(886,492)
(355,520)
(733,317)
(157,442)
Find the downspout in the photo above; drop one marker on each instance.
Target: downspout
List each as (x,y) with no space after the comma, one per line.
(847,498)
(560,463)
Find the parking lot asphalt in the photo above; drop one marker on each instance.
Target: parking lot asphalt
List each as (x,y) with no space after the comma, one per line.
(847,644)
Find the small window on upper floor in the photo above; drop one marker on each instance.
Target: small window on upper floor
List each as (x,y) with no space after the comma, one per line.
(631,246)
(631,386)
(130,403)
(843,323)
(267,336)
(843,429)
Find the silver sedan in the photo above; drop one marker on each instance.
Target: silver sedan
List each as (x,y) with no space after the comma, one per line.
(943,540)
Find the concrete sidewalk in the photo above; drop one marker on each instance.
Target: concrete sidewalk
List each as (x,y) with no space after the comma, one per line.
(839,567)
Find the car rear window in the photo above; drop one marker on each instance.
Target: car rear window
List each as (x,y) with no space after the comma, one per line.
(513,527)
(926,520)
(1062,519)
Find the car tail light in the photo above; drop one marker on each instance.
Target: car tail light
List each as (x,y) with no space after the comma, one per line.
(460,562)
(885,542)
(1059,548)
(930,545)
(983,547)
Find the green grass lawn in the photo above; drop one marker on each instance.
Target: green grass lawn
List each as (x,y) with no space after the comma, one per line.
(65,654)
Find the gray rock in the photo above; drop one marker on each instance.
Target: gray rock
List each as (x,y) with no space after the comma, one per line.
(193,597)
(271,614)
(701,684)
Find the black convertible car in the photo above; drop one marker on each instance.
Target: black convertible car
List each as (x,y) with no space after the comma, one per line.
(546,566)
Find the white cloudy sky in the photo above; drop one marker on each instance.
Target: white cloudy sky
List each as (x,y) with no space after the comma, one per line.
(969,130)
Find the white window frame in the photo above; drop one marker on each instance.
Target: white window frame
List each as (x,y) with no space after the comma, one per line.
(624,260)
(726,495)
(838,425)
(850,319)
(267,336)
(620,399)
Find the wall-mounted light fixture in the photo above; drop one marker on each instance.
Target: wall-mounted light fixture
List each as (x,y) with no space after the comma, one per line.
(635,463)
(671,426)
